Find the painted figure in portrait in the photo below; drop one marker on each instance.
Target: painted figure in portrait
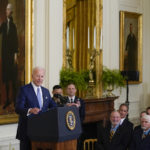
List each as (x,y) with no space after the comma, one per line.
(12,49)
(131,49)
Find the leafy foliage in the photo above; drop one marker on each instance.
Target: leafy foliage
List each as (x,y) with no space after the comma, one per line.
(80,79)
(112,78)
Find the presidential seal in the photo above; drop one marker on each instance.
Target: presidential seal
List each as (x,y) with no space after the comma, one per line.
(70,120)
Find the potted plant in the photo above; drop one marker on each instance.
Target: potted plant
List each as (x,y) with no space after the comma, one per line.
(111,79)
(80,79)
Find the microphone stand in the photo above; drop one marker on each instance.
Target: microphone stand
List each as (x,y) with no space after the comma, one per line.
(127,95)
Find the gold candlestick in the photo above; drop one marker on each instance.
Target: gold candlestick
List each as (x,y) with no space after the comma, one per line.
(91,87)
(69,56)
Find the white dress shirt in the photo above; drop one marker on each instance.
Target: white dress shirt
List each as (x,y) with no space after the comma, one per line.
(121,121)
(73,98)
(35,90)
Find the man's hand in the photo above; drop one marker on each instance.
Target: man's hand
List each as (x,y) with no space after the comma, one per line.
(34,110)
(74,104)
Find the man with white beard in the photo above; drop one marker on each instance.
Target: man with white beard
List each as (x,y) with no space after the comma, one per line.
(141,136)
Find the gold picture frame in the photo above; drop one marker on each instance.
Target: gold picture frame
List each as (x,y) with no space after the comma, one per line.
(131,46)
(27,5)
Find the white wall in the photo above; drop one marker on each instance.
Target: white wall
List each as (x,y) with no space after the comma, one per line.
(48,38)
(138,94)
(47,52)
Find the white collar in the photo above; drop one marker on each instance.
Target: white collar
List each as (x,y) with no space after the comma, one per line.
(121,121)
(73,97)
(35,87)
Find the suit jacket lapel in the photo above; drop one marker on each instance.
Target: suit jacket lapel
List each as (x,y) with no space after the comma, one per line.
(45,96)
(32,93)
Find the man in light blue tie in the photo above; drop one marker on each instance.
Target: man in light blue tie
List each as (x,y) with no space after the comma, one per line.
(32,99)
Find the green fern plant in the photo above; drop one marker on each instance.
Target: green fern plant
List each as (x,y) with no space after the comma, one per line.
(80,79)
(112,78)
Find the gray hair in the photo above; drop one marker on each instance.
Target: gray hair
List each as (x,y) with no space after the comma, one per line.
(146,117)
(37,68)
(10,6)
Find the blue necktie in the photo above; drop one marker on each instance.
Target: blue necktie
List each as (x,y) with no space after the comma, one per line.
(39,97)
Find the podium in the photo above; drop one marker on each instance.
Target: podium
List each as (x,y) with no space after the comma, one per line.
(56,129)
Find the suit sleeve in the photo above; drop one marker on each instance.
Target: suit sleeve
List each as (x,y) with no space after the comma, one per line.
(126,138)
(51,102)
(21,107)
(99,144)
(82,110)
(1,28)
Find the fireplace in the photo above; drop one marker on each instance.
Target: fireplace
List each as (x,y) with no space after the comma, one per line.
(97,111)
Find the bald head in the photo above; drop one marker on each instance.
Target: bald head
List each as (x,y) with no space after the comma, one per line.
(38,74)
(115,118)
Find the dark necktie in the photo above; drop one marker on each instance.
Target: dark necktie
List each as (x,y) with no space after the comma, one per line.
(71,100)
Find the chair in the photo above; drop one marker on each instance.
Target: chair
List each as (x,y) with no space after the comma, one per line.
(89,144)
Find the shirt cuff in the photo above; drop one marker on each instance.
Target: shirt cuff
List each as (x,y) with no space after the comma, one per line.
(28,112)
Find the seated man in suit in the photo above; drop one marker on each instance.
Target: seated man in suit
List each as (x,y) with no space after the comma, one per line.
(141,136)
(31,100)
(125,123)
(73,100)
(143,113)
(112,136)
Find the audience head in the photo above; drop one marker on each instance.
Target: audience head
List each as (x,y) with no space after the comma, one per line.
(57,89)
(145,122)
(123,110)
(71,90)
(38,74)
(115,118)
(148,110)
(143,113)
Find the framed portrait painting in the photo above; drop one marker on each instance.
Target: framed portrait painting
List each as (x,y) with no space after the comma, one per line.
(15,53)
(131,46)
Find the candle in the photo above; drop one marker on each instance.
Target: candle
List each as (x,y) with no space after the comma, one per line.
(67,37)
(88,37)
(101,39)
(94,37)
(73,38)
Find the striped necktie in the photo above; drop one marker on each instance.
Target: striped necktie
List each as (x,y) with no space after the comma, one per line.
(111,134)
(143,136)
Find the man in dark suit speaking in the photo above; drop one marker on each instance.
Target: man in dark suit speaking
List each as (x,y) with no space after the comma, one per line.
(32,99)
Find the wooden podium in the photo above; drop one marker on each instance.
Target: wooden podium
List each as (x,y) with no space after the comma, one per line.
(66,145)
(56,129)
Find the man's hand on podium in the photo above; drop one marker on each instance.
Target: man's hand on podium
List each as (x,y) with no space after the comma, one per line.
(34,110)
(74,104)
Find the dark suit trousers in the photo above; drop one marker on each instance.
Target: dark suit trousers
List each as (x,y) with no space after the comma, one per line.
(25,145)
